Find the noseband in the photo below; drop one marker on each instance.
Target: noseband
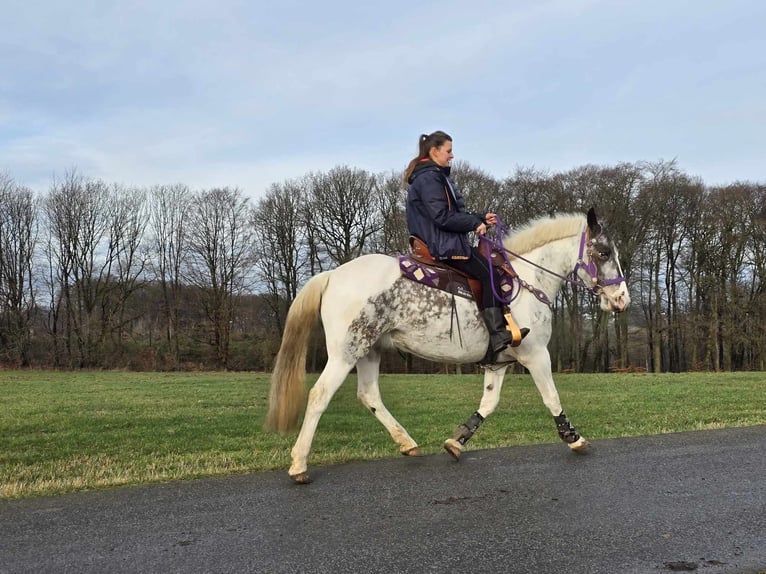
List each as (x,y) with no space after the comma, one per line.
(591,267)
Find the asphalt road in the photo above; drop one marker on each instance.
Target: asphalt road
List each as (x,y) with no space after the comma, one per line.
(670,503)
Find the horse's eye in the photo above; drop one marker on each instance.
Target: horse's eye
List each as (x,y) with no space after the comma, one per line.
(604,254)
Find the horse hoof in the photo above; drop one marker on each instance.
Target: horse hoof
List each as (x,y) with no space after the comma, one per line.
(414,451)
(301,478)
(453,447)
(580,445)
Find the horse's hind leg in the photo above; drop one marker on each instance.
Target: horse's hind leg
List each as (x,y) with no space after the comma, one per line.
(327,384)
(493,383)
(368,392)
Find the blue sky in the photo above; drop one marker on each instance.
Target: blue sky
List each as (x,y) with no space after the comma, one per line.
(249,93)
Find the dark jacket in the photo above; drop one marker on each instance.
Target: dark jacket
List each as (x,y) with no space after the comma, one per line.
(436,212)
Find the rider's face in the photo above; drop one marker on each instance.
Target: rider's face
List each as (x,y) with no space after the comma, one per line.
(442,155)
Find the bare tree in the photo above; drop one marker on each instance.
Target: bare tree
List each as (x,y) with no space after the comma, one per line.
(391,199)
(77,223)
(758,276)
(169,211)
(18,235)
(125,260)
(614,193)
(280,241)
(219,259)
(732,209)
(342,213)
(480,190)
(527,194)
(672,199)
(95,264)
(694,257)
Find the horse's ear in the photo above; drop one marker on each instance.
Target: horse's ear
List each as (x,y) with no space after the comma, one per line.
(593,225)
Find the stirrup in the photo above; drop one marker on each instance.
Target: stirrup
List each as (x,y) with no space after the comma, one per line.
(517,333)
(490,357)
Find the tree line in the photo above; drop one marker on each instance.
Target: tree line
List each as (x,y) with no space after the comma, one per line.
(101,275)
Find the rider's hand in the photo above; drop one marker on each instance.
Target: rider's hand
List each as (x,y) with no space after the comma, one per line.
(491,218)
(482,229)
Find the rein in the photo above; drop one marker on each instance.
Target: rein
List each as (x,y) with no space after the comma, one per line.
(590,268)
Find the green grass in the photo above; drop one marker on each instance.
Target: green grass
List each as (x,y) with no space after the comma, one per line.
(68,431)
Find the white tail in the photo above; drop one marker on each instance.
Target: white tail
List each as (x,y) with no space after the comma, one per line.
(287,394)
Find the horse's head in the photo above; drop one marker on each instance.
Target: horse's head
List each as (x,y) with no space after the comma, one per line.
(598,266)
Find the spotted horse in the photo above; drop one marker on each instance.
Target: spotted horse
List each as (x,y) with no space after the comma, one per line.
(420,266)
(366,305)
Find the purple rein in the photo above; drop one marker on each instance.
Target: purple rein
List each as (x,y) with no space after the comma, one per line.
(590,268)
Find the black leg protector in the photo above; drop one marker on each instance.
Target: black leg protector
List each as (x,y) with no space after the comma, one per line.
(466,430)
(567,432)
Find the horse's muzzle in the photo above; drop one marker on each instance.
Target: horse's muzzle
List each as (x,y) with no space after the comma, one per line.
(617,301)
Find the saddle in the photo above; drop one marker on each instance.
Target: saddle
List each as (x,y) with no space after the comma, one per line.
(420,266)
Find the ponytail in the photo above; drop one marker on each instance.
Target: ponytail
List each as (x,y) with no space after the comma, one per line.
(426,142)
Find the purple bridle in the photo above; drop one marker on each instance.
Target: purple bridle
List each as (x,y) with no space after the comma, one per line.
(590,268)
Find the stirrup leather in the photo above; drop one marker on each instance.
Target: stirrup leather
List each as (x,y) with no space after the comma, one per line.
(514,329)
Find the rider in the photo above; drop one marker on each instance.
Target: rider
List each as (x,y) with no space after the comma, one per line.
(436,214)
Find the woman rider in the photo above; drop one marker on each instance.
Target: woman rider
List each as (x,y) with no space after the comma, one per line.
(436,214)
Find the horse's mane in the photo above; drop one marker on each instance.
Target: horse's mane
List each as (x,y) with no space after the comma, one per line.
(543,230)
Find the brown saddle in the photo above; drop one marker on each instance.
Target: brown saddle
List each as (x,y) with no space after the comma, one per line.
(422,267)
(421,253)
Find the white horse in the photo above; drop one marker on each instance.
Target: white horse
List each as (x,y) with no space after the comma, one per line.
(366,305)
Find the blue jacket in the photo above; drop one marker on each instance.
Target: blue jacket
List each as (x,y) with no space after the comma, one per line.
(436,212)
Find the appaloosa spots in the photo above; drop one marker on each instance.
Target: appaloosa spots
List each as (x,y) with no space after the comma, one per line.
(404,300)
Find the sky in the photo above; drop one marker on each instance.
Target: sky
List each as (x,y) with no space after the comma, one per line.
(250,93)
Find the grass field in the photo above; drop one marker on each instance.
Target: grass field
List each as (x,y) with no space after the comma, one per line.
(68,431)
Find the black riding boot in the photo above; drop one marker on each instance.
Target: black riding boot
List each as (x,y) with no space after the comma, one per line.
(499,336)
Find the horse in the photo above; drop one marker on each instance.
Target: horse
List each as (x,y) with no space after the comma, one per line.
(366,305)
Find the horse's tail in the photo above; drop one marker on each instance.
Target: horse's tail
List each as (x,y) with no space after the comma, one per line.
(286,397)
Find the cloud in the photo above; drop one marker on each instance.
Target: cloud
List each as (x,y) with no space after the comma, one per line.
(251,93)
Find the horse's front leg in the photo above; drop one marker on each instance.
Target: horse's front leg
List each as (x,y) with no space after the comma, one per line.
(539,366)
(493,383)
